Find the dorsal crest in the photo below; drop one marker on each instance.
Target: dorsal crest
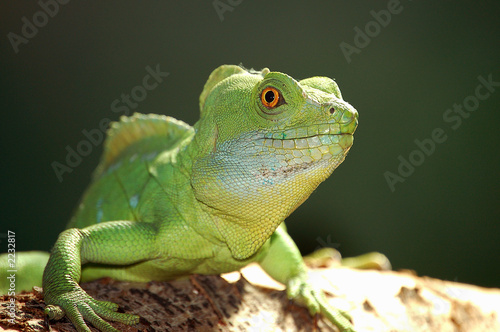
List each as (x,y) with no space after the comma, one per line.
(221,73)
(140,134)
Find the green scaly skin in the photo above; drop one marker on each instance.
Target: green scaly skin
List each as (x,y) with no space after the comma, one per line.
(169,200)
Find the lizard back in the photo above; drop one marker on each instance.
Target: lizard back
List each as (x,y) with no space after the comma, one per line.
(123,172)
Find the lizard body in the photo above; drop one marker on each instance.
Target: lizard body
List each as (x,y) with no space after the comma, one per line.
(169,200)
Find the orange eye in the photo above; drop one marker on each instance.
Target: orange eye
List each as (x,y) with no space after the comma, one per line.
(270,97)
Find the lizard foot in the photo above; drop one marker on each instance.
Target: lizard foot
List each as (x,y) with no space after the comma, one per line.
(301,290)
(79,306)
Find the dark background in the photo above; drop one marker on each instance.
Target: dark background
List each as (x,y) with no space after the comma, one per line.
(443,221)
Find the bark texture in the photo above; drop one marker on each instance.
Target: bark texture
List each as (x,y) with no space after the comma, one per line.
(377,301)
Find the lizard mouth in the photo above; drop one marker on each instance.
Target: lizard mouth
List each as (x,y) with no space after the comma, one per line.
(314,130)
(296,147)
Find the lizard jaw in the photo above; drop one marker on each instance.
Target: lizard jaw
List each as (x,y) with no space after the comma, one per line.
(304,150)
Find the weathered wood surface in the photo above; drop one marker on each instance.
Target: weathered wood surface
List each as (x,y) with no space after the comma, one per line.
(377,301)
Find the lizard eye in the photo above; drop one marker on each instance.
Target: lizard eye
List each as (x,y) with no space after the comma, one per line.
(271,97)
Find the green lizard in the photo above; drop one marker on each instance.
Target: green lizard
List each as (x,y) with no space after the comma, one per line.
(169,200)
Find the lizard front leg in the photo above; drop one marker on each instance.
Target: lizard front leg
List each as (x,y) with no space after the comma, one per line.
(117,243)
(284,263)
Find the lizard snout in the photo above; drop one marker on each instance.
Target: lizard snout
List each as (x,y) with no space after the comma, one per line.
(344,114)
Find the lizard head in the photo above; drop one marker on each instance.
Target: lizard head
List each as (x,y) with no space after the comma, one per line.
(265,141)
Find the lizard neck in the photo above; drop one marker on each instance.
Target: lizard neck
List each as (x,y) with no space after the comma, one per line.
(249,192)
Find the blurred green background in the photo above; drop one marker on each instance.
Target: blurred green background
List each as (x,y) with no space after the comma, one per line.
(442,221)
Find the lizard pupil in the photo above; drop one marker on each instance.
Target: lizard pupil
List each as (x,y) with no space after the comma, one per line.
(269,96)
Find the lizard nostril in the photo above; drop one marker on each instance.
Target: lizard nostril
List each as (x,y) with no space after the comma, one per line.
(332,110)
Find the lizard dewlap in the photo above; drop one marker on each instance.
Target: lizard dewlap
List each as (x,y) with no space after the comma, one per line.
(168,199)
